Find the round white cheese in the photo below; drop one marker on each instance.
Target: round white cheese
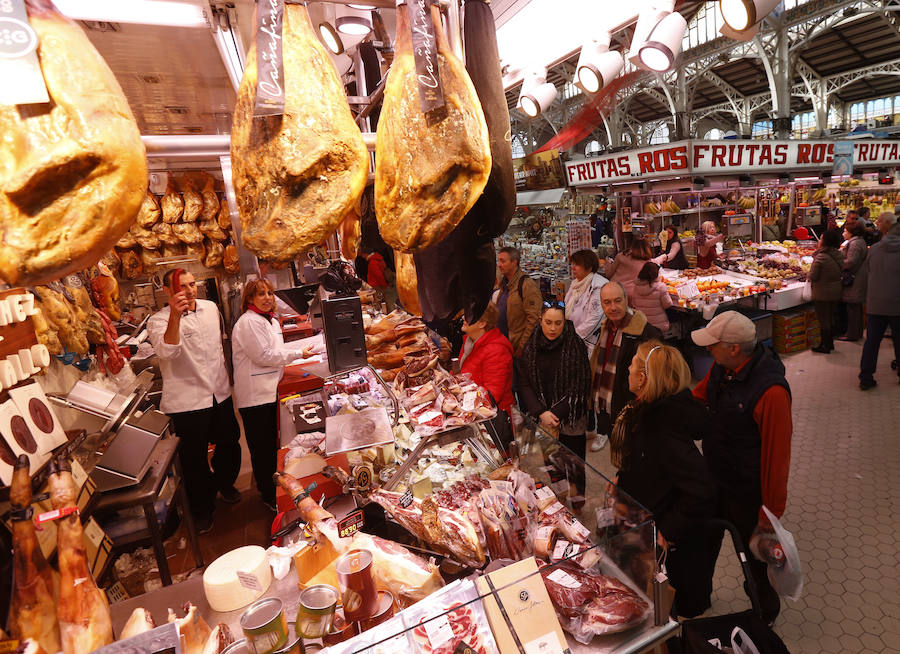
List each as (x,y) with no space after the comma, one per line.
(237,578)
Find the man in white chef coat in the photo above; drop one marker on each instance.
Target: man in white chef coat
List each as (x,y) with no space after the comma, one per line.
(187,338)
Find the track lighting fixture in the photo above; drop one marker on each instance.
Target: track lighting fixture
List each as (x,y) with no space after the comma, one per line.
(742,15)
(597,65)
(537,93)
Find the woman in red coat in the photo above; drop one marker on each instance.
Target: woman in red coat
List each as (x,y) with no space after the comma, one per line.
(487,355)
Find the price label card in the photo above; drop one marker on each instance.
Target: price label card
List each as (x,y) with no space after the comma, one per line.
(563,578)
(544,493)
(438,631)
(249,581)
(351,524)
(554,508)
(564,549)
(20,70)
(546,644)
(605,517)
(688,290)
(406,499)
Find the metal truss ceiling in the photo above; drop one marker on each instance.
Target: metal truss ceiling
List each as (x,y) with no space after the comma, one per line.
(853,47)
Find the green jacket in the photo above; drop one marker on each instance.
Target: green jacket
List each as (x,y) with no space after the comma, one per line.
(523,312)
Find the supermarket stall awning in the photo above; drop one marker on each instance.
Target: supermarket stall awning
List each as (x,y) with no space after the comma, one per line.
(547,196)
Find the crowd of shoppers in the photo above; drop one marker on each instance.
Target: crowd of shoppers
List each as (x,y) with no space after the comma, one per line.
(600,351)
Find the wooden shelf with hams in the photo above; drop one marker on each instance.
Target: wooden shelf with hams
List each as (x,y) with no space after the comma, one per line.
(192,219)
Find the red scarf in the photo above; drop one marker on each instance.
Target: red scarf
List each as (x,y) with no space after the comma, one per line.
(255,309)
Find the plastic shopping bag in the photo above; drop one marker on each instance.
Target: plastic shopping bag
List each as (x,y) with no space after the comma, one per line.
(785,572)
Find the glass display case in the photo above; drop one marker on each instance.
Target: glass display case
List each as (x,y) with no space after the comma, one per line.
(546,555)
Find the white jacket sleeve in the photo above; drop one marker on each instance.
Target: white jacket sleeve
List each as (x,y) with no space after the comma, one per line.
(593,312)
(260,346)
(156,334)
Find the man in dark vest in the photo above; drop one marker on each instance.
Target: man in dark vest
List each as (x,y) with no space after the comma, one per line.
(748,445)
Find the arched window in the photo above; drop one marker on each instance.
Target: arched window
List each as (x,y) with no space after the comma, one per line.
(762,129)
(660,135)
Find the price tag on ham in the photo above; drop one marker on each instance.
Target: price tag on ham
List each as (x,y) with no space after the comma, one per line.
(351,524)
(563,578)
(55,514)
(438,631)
(406,499)
(604,518)
(564,549)
(553,508)
(580,529)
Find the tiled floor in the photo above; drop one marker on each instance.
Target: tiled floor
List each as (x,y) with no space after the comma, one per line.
(843,509)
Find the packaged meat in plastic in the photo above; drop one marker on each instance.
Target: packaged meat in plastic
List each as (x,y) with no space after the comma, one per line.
(589,603)
(448,619)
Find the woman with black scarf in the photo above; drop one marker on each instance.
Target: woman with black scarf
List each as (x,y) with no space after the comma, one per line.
(554,379)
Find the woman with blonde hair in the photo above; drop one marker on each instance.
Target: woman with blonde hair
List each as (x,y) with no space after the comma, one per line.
(652,445)
(260,354)
(706,241)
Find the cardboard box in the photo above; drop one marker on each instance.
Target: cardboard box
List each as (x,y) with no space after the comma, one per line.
(526,602)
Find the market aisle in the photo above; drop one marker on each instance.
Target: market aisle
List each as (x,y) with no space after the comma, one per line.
(843,503)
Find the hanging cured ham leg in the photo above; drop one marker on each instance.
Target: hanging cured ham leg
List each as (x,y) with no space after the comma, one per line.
(84,621)
(429,170)
(407,284)
(32,612)
(458,273)
(72,172)
(296,176)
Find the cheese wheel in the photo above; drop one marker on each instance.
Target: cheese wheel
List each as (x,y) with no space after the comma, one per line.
(226,589)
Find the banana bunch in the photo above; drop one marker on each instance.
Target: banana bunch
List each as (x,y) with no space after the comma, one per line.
(746,203)
(714,202)
(819,195)
(670,206)
(652,208)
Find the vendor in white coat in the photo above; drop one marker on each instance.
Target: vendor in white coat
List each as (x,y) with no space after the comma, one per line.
(583,308)
(187,338)
(260,354)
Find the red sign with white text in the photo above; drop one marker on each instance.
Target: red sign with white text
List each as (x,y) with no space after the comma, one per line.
(723,158)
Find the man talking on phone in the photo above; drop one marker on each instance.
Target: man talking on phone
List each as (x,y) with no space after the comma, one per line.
(187,338)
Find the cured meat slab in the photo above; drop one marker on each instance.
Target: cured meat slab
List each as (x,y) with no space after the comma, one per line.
(73,172)
(429,169)
(296,176)
(84,621)
(32,612)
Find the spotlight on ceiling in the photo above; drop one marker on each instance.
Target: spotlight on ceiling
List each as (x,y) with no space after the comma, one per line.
(663,44)
(597,65)
(361,6)
(648,20)
(537,93)
(353,22)
(331,38)
(741,15)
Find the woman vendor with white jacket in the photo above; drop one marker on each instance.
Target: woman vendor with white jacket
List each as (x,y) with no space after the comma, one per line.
(259,354)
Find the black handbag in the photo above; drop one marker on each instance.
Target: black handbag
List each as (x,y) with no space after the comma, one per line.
(500,427)
(847,278)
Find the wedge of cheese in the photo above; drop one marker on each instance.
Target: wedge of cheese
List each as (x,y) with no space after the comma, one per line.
(237,578)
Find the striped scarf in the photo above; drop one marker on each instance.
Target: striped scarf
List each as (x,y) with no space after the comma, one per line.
(603,362)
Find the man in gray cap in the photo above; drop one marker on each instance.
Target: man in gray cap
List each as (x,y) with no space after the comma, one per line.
(748,445)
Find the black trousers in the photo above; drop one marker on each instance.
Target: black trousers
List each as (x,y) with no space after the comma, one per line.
(744,515)
(261,430)
(575,464)
(825,314)
(854,320)
(195,431)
